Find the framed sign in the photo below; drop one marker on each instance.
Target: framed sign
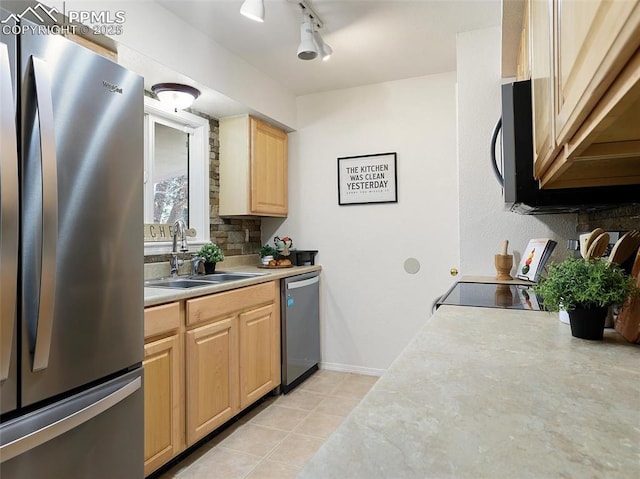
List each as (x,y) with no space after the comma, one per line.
(367,179)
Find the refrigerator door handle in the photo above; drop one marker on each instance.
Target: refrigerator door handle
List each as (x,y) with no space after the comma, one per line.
(8,214)
(303,283)
(44,101)
(33,439)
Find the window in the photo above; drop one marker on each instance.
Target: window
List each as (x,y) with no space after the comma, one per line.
(176,172)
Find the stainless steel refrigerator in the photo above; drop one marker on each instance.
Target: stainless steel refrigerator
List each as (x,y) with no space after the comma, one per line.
(71,261)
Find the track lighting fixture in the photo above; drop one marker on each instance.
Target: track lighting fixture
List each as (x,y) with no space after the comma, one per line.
(307,50)
(324,49)
(253,9)
(176,95)
(311,42)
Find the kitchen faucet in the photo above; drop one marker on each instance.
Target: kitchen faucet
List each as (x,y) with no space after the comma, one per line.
(179,228)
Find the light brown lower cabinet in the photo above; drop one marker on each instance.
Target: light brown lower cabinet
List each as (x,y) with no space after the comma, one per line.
(232,354)
(259,353)
(163,386)
(212,377)
(206,359)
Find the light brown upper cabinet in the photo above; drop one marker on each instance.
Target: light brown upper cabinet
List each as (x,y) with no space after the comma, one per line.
(585,71)
(541,45)
(253,168)
(523,60)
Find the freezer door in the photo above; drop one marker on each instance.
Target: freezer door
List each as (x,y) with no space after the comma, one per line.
(82,248)
(98,434)
(9,226)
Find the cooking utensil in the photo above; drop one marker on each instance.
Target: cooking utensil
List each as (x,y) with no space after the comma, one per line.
(628,321)
(588,241)
(583,243)
(503,263)
(598,246)
(635,270)
(625,247)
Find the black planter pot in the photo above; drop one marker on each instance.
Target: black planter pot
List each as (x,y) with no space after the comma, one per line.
(209,268)
(588,323)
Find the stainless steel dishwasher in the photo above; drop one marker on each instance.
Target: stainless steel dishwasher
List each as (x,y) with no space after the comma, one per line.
(300,328)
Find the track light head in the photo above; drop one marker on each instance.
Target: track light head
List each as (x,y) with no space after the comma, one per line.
(307,50)
(323,48)
(327,51)
(253,9)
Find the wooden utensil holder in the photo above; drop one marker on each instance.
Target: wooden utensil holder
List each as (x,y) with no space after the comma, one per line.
(503,264)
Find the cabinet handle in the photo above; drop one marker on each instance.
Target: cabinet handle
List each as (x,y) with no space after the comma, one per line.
(303,283)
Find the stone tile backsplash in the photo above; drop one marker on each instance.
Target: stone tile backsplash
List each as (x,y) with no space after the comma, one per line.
(624,218)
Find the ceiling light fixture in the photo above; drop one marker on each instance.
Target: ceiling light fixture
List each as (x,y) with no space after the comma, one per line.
(253,9)
(311,42)
(324,49)
(176,95)
(307,50)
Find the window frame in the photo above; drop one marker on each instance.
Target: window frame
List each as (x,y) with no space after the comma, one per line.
(198,130)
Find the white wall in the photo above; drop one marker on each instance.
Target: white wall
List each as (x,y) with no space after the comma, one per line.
(370,307)
(483,221)
(154,31)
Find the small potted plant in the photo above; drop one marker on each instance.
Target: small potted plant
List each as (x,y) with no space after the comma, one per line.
(211,254)
(585,289)
(267,253)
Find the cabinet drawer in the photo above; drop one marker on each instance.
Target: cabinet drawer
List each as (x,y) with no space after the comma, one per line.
(221,304)
(161,319)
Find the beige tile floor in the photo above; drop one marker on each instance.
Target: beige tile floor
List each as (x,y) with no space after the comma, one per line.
(276,438)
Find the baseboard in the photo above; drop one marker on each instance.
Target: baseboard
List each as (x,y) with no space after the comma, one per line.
(348,368)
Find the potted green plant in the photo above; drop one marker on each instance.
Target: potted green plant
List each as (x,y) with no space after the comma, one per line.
(211,254)
(267,253)
(585,289)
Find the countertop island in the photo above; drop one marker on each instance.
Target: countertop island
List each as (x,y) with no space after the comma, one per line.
(495,393)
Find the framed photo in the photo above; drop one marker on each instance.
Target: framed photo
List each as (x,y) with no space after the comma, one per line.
(367,179)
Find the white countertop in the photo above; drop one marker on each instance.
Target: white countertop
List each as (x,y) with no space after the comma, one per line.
(494,393)
(154,296)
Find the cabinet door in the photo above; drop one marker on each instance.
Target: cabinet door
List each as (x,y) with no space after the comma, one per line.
(259,353)
(212,377)
(541,14)
(163,402)
(268,193)
(596,38)
(523,71)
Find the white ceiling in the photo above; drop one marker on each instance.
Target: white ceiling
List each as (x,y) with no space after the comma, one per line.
(373,40)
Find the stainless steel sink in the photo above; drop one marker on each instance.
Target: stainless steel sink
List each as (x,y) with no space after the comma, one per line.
(224,276)
(199,280)
(178,283)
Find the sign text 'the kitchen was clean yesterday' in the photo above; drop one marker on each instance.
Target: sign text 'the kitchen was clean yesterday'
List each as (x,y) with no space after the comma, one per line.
(367,179)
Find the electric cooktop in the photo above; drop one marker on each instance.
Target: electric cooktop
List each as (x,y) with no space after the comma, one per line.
(491,295)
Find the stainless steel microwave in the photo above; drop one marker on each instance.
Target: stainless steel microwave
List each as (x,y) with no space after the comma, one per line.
(521,191)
